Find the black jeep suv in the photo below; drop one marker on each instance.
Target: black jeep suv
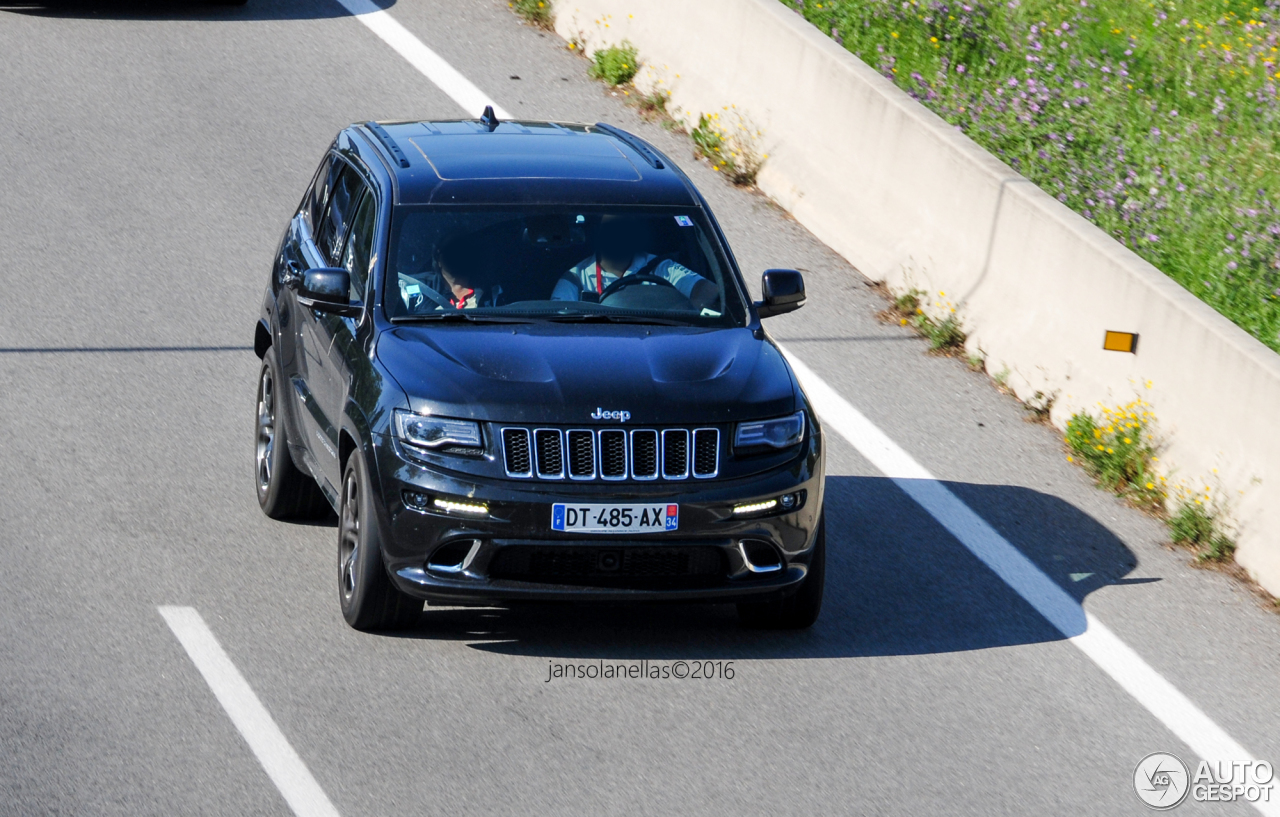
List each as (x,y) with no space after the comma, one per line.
(520,362)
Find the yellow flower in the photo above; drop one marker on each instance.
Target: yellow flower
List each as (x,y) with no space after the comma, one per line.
(894,35)
(1070,458)
(1128,441)
(1150,485)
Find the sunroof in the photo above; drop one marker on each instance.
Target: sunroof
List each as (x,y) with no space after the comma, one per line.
(523,156)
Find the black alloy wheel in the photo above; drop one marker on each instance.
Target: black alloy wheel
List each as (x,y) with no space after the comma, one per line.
(284,492)
(369,600)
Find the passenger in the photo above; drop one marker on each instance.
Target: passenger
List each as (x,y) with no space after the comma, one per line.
(619,251)
(457,262)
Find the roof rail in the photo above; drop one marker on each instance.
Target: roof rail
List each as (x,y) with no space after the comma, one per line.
(632,142)
(388,143)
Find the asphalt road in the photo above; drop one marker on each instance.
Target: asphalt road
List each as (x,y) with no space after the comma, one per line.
(150,158)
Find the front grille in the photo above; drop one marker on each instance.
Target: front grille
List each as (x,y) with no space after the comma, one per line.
(515,452)
(609,565)
(550,453)
(611,453)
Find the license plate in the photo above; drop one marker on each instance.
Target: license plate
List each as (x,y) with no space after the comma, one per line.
(615,518)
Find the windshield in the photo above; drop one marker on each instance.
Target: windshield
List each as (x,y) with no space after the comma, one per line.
(641,265)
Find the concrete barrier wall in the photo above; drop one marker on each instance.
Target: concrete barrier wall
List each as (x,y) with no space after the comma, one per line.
(911,201)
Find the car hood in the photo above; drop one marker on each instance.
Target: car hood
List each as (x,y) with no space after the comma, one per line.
(561,374)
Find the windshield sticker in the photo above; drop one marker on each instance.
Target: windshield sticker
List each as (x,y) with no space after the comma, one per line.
(684,221)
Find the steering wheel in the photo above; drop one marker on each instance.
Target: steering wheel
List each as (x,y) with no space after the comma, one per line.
(635,279)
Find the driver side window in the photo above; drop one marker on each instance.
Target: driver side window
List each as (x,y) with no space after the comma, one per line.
(359,250)
(344,194)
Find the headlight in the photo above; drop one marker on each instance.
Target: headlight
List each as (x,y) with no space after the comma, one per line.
(780,433)
(436,432)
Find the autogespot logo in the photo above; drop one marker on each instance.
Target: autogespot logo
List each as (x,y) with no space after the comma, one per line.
(1161,781)
(601,414)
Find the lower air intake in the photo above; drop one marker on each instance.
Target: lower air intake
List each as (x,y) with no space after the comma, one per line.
(608,565)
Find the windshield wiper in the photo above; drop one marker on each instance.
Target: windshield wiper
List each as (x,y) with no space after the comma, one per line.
(598,317)
(458,316)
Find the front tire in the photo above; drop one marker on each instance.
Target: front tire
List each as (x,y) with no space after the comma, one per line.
(369,600)
(284,492)
(799,610)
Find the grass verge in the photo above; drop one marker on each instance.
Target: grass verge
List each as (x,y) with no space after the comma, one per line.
(1157,121)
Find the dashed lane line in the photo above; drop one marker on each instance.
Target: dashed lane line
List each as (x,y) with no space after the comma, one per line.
(259,730)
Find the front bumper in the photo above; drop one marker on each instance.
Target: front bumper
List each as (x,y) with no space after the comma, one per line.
(513,554)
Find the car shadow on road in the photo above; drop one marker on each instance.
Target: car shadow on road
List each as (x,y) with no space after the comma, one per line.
(897,584)
(253,10)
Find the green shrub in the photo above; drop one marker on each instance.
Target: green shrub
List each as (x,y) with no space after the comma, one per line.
(537,12)
(615,65)
(1119,450)
(908,303)
(653,104)
(731,149)
(1196,525)
(944,334)
(706,139)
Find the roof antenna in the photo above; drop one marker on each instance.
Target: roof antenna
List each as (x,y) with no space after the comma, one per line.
(489,119)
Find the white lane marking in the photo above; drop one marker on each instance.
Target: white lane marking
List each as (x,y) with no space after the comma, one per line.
(283,766)
(1091,636)
(432,65)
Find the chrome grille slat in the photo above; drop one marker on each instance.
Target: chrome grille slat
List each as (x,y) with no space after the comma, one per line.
(706,453)
(517,454)
(675,453)
(614,454)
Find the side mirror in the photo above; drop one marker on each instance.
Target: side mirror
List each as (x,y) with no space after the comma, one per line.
(327,289)
(783,291)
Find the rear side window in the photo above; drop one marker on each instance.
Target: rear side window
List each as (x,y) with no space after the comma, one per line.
(313,204)
(359,250)
(345,188)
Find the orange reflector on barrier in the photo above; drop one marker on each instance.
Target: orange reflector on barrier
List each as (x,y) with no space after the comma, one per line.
(1121,342)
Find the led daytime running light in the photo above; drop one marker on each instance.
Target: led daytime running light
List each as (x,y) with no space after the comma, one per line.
(461,507)
(754,507)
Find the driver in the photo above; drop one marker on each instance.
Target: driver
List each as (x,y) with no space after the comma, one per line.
(619,252)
